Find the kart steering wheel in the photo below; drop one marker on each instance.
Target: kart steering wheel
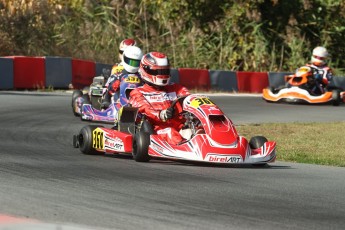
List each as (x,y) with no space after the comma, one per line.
(179,100)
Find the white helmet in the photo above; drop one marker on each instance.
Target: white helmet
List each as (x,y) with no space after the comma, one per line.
(131,59)
(320,54)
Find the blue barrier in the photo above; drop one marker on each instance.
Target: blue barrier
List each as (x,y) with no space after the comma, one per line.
(101,66)
(6,73)
(58,72)
(276,79)
(223,80)
(174,76)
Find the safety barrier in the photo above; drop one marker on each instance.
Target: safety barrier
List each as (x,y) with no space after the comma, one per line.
(28,72)
(82,73)
(100,67)
(20,72)
(223,80)
(277,79)
(6,73)
(195,78)
(58,72)
(252,82)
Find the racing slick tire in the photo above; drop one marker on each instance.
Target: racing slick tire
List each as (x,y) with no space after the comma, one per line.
(336,97)
(75,95)
(141,144)
(85,140)
(257,142)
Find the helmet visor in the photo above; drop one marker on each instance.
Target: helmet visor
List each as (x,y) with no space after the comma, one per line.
(131,62)
(318,57)
(156,72)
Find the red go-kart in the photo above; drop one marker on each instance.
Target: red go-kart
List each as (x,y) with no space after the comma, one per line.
(213,137)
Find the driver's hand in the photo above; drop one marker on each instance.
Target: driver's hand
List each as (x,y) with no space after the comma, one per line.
(166,114)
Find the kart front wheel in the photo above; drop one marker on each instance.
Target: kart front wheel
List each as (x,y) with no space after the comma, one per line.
(141,144)
(84,139)
(336,97)
(255,143)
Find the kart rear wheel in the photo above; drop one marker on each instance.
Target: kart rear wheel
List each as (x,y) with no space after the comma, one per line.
(141,144)
(255,143)
(336,97)
(85,140)
(75,95)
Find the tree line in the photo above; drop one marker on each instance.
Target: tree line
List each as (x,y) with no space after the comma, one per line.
(245,35)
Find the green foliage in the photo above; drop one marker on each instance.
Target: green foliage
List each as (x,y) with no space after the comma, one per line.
(247,35)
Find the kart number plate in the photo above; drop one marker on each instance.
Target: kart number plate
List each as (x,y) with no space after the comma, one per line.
(197,102)
(132,79)
(97,139)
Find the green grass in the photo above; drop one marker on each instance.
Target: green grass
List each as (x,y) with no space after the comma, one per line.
(313,143)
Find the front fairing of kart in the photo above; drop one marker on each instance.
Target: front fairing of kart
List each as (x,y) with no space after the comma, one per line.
(214,122)
(202,148)
(296,95)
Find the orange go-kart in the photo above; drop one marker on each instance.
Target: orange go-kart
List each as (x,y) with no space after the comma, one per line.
(298,90)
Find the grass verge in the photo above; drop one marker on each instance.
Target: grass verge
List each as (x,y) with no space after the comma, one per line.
(313,143)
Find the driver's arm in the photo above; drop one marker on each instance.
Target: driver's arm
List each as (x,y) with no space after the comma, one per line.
(138,100)
(181,91)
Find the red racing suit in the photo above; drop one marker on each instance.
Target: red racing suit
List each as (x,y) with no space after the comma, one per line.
(151,101)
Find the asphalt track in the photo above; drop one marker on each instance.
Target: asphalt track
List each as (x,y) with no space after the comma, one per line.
(42,177)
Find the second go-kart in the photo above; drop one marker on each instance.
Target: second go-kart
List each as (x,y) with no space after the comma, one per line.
(213,139)
(298,90)
(88,112)
(93,95)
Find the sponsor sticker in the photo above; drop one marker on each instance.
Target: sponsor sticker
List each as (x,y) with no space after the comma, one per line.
(161,97)
(114,144)
(224,158)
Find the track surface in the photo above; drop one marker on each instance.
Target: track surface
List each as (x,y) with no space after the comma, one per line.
(43,177)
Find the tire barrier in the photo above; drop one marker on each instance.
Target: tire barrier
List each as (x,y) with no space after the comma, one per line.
(195,78)
(82,73)
(223,80)
(252,82)
(6,73)
(20,72)
(28,72)
(276,79)
(58,72)
(100,67)
(174,76)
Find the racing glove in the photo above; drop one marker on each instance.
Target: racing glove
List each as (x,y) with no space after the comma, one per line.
(166,114)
